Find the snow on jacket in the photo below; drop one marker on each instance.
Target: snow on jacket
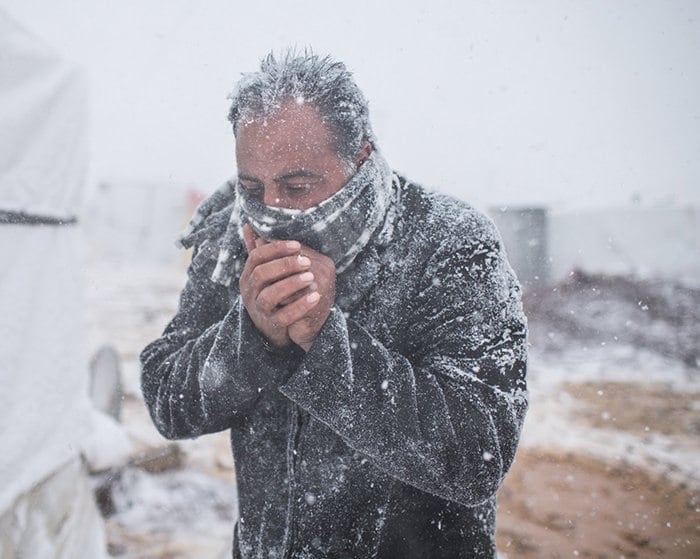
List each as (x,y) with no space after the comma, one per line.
(390,437)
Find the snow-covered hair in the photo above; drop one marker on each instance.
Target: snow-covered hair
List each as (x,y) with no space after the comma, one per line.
(306,78)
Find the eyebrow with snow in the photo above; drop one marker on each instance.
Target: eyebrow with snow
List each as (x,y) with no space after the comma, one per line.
(301,173)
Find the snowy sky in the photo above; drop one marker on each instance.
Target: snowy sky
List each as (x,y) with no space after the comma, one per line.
(569,103)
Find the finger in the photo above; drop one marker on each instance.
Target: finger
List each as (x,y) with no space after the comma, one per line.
(272,250)
(259,242)
(292,312)
(284,292)
(318,259)
(296,295)
(249,237)
(313,286)
(270,272)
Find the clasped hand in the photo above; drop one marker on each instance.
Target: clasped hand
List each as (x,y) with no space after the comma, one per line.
(287,288)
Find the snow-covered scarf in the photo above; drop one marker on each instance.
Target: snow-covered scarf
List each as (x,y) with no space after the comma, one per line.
(339,227)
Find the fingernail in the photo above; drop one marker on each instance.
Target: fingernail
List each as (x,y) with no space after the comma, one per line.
(313,297)
(304,261)
(306,276)
(293,245)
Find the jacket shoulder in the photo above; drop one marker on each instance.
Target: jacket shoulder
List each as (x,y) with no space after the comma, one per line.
(211,217)
(446,221)
(207,241)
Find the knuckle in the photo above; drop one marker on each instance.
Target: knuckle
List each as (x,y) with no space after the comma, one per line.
(245,274)
(282,320)
(253,257)
(263,303)
(289,314)
(256,275)
(244,289)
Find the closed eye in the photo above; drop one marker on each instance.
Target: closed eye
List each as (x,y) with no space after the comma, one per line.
(299,182)
(297,188)
(251,186)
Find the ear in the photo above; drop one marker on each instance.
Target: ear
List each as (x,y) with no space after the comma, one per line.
(365,152)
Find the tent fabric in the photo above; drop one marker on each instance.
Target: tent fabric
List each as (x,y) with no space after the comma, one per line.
(43,371)
(42,136)
(44,405)
(57,519)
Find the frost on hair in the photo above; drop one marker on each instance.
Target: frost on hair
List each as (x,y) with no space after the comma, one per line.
(306,78)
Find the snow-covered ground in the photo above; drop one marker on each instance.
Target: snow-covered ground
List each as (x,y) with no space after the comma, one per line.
(183,512)
(554,417)
(638,343)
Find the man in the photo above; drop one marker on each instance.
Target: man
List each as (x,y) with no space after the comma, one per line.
(362,338)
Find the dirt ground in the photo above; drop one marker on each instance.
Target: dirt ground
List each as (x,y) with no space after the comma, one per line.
(556,505)
(638,408)
(558,502)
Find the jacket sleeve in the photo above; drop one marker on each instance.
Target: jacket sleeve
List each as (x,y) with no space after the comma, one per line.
(210,364)
(445,414)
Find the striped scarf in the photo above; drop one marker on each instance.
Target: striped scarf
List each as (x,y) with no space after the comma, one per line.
(339,227)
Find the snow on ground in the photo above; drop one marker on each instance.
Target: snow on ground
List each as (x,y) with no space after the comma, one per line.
(187,512)
(181,513)
(638,342)
(610,456)
(554,417)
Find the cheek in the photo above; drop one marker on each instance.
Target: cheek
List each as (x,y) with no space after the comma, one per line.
(337,177)
(316,197)
(329,189)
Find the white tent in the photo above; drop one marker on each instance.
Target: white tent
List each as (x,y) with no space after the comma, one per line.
(46,505)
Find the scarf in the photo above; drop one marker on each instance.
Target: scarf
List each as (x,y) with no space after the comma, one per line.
(339,227)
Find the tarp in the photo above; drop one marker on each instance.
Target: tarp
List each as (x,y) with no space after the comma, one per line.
(44,406)
(42,136)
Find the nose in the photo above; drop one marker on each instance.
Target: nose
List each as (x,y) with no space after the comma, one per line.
(271,197)
(275,196)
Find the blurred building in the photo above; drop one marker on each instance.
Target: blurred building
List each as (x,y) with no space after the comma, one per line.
(525,233)
(544,246)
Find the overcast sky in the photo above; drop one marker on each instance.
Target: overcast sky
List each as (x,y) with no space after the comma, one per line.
(569,103)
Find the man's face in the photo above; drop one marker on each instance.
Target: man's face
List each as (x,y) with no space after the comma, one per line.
(289,159)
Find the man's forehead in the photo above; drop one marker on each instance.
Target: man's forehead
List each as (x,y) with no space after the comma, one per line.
(289,113)
(291,128)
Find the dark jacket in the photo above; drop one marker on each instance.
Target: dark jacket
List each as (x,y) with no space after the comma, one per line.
(390,437)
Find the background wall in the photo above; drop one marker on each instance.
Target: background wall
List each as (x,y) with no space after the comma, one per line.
(661,243)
